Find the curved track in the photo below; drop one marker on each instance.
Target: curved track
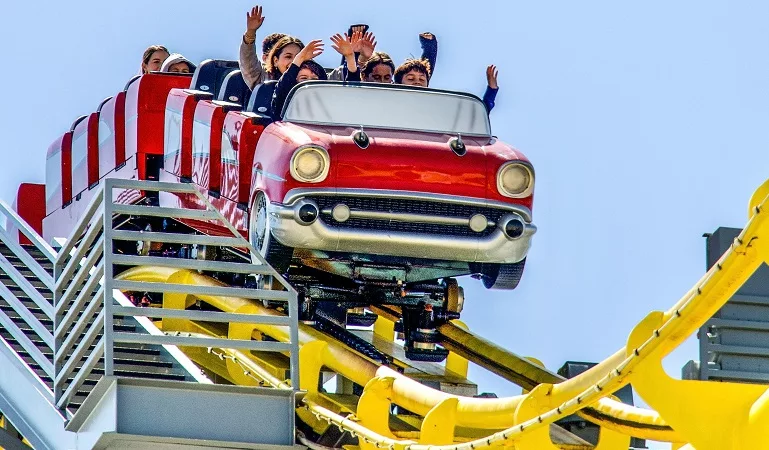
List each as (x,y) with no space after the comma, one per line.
(522,420)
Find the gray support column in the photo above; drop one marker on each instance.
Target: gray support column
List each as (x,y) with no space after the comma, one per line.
(734,343)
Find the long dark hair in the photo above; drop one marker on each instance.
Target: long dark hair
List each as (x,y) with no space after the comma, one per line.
(150,50)
(285,41)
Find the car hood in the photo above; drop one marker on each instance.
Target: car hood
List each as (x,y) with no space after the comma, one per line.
(410,161)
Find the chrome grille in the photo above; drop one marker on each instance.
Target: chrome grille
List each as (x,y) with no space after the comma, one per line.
(398,205)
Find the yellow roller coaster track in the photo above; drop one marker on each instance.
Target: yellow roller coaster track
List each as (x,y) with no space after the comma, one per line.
(683,411)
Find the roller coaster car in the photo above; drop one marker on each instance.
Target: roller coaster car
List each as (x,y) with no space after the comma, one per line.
(363,195)
(381,182)
(369,194)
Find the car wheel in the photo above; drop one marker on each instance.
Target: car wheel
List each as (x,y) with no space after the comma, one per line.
(502,276)
(276,254)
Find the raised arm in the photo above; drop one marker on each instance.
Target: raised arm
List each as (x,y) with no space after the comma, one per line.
(287,81)
(250,65)
(492,87)
(429,44)
(345,46)
(363,49)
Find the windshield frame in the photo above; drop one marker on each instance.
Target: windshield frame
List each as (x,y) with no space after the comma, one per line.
(368,85)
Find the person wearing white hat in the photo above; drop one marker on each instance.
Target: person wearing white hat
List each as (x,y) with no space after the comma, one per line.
(177,63)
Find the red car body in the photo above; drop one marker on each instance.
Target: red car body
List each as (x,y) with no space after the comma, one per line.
(411,194)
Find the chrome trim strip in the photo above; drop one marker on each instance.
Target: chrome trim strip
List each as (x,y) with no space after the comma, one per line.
(269,175)
(495,247)
(294,195)
(408,217)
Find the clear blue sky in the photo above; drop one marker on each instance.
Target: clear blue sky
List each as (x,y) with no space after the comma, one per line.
(645,122)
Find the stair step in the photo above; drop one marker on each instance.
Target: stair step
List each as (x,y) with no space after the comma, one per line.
(13,286)
(27,274)
(152,375)
(21,295)
(145,363)
(34,253)
(27,330)
(25,299)
(47,353)
(31,249)
(13,315)
(34,338)
(5,306)
(139,357)
(22,268)
(138,370)
(44,349)
(138,349)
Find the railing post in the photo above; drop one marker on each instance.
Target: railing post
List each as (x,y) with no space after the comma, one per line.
(293,315)
(57,291)
(108,298)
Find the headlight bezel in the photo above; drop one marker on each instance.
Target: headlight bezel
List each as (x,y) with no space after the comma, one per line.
(500,185)
(307,149)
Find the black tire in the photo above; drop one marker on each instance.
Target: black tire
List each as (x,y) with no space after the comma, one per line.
(260,236)
(502,276)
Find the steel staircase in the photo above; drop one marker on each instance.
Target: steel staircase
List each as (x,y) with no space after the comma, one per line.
(80,349)
(8,288)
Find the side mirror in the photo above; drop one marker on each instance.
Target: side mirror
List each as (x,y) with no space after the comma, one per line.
(458,146)
(361,139)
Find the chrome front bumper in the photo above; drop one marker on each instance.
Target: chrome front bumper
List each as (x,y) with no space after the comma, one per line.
(491,246)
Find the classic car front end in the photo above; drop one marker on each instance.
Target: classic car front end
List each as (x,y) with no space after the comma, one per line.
(415,188)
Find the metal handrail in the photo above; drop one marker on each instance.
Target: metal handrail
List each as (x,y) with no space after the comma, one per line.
(29,261)
(63,327)
(73,334)
(33,332)
(85,220)
(146,323)
(25,229)
(27,344)
(96,328)
(24,284)
(86,264)
(64,296)
(71,260)
(204,316)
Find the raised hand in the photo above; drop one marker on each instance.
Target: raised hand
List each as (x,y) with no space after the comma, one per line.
(312,50)
(343,44)
(428,36)
(254,19)
(491,76)
(365,46)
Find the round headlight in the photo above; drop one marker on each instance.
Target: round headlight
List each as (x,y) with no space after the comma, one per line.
(515,180)
(310,164)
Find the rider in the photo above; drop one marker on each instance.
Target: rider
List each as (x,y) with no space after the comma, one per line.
(153,58)
(303,68)
(177,63)
(254,71)
(378,69)
(413,72)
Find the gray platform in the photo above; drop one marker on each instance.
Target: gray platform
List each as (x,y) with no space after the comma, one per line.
(141,413)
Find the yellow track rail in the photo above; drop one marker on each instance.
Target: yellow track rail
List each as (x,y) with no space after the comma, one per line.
(706,415)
